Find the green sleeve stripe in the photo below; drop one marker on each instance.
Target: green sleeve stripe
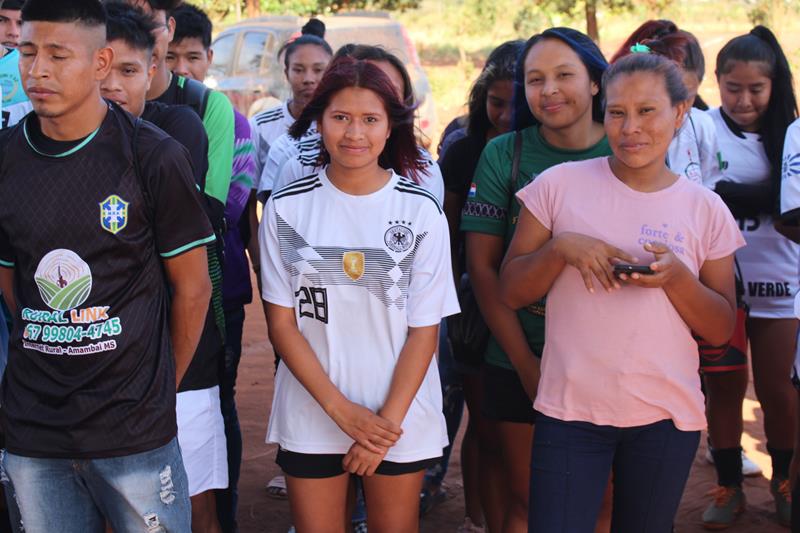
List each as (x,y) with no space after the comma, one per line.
(219,126)
(187,247)
(244,149)
(6,264)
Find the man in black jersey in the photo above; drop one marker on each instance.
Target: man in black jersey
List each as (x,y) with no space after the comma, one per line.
(129,33)
(102,245)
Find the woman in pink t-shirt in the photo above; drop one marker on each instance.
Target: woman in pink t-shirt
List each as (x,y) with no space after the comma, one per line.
(619,385)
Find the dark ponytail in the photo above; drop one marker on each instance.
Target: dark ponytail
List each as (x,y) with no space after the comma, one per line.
(313,32)
(760,45)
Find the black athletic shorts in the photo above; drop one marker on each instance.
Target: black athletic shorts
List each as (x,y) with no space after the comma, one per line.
(504,397)
(323,465)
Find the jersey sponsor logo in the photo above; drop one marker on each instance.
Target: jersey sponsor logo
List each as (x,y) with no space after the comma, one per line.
(64,280)
(723,165)
(353,265)
(398,238)
(769,289)
(791,165)
(113,214)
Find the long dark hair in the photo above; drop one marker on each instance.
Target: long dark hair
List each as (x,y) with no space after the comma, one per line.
(400,153)
(589,54)
(499,67)
(760,45)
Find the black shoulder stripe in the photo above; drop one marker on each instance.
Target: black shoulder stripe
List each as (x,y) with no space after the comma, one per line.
(269,116)
(284,193)
(297,184)
(424,194)
(405,182)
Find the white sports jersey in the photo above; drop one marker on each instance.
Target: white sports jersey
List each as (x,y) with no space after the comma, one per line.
(790,172)
(358,271)
(693,151)
(284,149)
(293,161)
(769,261)
(265,127)
(13,113)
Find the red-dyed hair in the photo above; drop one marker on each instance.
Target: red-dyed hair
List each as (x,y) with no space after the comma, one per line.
(664,38)
(400,153)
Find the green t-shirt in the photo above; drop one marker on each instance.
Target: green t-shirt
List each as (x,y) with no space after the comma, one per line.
(490,197)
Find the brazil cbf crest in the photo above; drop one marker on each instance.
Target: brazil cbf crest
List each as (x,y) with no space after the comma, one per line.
(113,214)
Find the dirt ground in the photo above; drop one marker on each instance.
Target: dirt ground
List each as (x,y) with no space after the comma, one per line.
(260,514)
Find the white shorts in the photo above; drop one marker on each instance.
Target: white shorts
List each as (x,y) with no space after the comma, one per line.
(201,435)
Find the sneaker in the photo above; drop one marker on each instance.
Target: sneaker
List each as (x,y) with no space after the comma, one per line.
(728,503)
(469,527)
(749,468)
(782,493)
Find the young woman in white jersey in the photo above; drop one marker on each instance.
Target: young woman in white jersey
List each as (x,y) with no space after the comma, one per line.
(619,389)
(357,278)
(305,59)
(758,104)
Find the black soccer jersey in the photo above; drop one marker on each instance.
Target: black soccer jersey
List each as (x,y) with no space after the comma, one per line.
(91,371)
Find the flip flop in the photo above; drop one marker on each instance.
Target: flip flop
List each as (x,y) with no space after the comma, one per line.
(276,488)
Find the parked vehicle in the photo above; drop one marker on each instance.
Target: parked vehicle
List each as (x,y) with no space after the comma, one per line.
(246,67)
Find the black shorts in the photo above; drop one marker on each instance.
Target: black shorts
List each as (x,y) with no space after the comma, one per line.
(324,465)
(504,397)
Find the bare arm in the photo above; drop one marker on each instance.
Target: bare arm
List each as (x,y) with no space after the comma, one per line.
(412,365)
(484,255)
(707,304)
(535,259)
(374,432)
(7,288)
(188,276)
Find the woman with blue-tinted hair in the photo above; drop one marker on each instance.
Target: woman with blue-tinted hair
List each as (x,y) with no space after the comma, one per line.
(557,118)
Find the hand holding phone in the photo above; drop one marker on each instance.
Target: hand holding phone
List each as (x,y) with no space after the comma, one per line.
(624,268)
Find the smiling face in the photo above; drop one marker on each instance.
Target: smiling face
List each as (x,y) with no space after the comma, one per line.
(745,91)
(306,66)
(61,65)
(189,58)
(354,128)
(640,119)
(558,88)
(130,77)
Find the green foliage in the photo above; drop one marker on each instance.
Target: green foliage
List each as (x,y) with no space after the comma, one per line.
(220,9)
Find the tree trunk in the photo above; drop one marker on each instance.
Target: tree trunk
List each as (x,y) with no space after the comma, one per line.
(253,8)
(591,21)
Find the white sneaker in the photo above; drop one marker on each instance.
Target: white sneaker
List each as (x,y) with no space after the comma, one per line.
(749,468)
(469,527)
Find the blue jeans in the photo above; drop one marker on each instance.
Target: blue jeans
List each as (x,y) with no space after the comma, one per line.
(227,499)
(145,492)
(570,467)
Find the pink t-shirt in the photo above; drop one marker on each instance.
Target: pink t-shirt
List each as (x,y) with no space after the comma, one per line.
(627,358)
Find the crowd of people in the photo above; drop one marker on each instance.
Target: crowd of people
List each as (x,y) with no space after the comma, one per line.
(586,269)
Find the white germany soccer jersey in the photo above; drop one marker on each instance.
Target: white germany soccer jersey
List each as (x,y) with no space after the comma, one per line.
(693,151)
(265,128)
(769,262)
(358,271)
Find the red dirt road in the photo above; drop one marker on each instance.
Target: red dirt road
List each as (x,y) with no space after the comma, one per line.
(260,514)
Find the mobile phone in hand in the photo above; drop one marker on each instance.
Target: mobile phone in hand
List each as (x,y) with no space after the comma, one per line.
(623,268)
